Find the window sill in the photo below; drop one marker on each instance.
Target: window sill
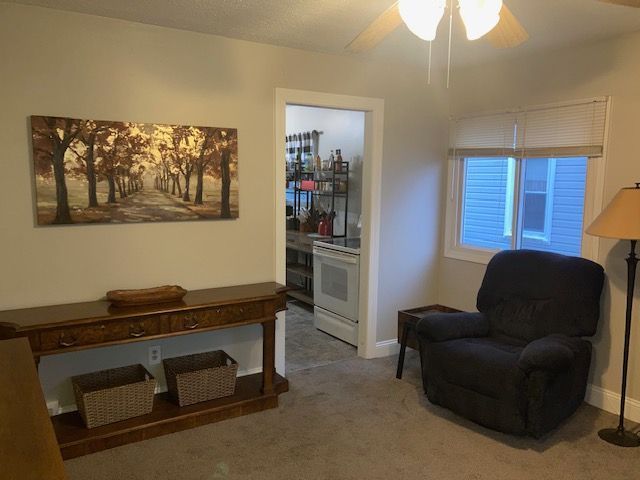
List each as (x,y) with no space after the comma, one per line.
(474,255)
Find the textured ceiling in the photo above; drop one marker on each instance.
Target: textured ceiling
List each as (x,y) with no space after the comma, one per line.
(328,25)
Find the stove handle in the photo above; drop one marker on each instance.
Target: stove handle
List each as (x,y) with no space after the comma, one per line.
(335,256)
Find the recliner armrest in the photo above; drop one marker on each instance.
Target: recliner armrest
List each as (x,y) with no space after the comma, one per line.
(554,353)
(440,327)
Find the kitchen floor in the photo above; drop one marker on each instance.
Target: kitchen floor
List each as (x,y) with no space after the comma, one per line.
(308,347)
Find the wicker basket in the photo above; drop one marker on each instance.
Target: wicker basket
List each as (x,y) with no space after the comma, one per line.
(200,377)
(113,395)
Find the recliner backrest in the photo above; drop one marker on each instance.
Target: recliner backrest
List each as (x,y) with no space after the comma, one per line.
(529,294)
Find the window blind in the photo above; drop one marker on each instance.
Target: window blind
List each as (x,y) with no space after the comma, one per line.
(485,135)
(564,130)
(550,131)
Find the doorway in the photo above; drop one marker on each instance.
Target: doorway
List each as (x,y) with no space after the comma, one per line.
(324,151)
(373,112)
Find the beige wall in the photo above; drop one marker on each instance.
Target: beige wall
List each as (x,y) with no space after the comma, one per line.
(57,63)
(606,68)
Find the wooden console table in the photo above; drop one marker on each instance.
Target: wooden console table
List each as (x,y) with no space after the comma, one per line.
(64,328)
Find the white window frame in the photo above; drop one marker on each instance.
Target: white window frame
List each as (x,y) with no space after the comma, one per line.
(509,197)
(454,249)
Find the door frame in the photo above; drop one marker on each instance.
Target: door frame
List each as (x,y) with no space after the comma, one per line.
(371,204)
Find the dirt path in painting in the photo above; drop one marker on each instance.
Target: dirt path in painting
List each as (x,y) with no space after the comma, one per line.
(151,205)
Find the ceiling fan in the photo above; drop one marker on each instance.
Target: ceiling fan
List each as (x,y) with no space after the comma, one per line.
(491,19)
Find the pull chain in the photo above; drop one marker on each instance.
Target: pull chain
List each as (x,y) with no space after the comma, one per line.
(450,34)
(429,67)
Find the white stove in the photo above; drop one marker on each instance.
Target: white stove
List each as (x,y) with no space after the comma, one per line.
(346,245)
(336,275)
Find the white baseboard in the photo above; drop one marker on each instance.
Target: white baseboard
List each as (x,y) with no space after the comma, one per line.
(386,348)
(610,402)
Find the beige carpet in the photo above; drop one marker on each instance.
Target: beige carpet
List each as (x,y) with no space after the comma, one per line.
(353,420)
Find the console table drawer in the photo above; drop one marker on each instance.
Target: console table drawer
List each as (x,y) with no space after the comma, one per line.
(95,334)
(134,328)
(215,317)
(71,337)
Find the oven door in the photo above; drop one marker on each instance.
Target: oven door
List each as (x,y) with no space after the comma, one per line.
(336,278)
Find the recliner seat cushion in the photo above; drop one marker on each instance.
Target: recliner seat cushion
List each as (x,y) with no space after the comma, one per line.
(486,365)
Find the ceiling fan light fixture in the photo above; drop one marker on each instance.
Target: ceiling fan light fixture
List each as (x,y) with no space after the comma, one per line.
(480,16)
(422,17)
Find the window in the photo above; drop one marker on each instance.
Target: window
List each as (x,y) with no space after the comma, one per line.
(486,219)
(527,179)
(548,214)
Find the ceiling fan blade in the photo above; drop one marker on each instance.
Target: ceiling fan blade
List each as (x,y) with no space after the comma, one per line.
(624,3)
(509,32)
(376,31)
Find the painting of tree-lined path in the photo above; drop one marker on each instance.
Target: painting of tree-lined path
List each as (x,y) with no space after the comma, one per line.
(91,171)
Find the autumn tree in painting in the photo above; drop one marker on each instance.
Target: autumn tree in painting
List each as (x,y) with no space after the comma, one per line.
(96,171)
(87,142)
(228,145)
(51,140)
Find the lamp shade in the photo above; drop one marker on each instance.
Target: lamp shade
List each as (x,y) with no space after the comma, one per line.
(621,218)
(480,16)
(422,17)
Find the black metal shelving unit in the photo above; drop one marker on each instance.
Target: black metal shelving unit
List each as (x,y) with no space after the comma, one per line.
(337,186)
(328,184)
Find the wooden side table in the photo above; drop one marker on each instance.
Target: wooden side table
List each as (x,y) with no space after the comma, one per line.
(407,320)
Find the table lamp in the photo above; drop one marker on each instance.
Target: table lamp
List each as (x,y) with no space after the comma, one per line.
(621,220)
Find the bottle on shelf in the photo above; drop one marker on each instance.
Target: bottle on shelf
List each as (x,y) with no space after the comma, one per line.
(338,160)
(298,161)
(331,160)
(287,152)
(307,156)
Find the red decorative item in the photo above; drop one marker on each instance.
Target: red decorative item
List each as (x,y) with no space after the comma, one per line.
(322,226)
(325,227)
(307,185)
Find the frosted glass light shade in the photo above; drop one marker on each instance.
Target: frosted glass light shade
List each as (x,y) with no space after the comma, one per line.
(422,17)
(480,16)
(621,218)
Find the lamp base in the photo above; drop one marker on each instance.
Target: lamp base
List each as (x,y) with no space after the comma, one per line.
(619,437)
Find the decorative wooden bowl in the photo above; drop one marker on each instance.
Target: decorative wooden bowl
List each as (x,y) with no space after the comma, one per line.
(146,296)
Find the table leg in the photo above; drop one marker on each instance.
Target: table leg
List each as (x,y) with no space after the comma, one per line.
(268,355)
(403,349)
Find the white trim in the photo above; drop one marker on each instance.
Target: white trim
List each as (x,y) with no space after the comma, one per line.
(596,169)
(387,348)
(610,402)
(371,203)
(510,198)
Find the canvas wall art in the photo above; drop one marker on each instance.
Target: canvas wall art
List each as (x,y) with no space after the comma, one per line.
(91,171)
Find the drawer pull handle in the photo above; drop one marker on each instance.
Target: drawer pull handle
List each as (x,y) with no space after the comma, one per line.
(137,333)
(67,343)
(190,323)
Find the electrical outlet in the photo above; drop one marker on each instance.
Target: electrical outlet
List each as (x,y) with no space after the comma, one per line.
(155,355)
